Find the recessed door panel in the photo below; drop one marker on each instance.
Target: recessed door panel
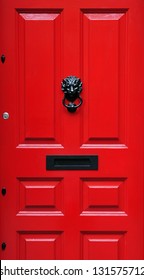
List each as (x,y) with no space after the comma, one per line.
(104,195)
(104,46)
(40,196)
(103,246)
(42,245)
(39,71)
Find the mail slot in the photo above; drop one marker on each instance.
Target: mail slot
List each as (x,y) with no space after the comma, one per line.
(72,162)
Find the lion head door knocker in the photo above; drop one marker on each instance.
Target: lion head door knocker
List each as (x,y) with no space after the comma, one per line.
(72,87)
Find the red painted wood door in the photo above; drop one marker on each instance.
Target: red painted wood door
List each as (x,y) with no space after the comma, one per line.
(72,214)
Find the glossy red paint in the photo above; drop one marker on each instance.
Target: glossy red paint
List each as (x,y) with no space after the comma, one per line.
(77,214)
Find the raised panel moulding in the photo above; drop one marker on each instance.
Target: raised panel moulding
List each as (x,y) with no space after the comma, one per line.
(40,245)
(39,63)
(103,245)
(40,196)
(103,196)
(104,62)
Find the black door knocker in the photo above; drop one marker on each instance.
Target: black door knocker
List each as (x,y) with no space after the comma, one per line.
(72,87)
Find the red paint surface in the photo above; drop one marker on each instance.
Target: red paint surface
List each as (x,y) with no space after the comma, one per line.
(72,214)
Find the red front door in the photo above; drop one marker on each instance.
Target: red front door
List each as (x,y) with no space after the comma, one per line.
(90,207)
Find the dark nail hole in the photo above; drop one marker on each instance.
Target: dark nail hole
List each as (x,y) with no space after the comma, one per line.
(3,246)
(3,191)
(3,58)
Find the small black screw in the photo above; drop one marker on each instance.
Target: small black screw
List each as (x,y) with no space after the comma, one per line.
(3,58)
(3,191)
(3,246)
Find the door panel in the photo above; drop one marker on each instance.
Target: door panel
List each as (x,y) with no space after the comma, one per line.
(33,245)
(103,195)
(104,71)
(40,196)
(72,214)
(37,38)
(103,246)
